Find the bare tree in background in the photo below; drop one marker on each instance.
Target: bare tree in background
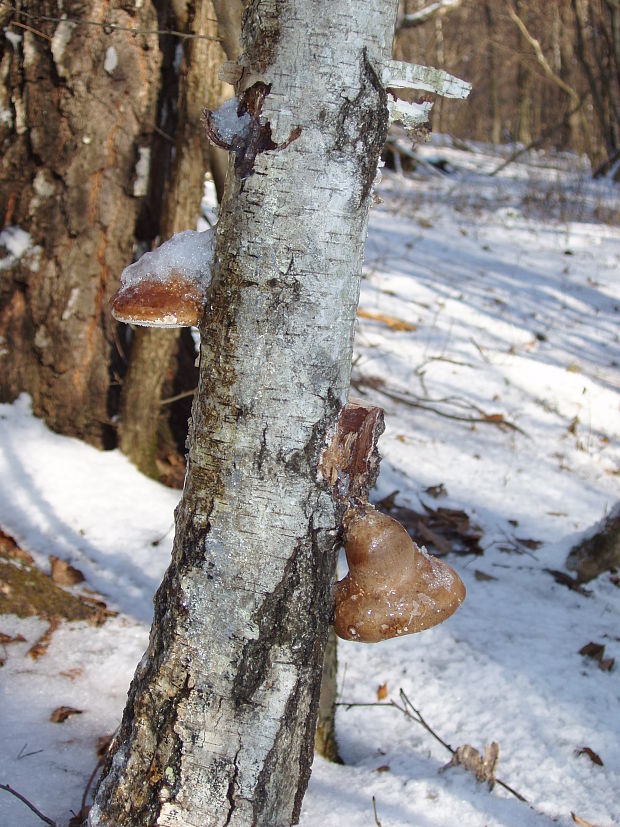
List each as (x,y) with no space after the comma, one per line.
(152,350)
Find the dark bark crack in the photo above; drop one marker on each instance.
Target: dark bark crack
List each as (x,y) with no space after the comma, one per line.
(362,124)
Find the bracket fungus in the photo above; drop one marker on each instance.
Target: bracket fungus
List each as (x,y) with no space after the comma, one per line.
(168,286)
(393,587)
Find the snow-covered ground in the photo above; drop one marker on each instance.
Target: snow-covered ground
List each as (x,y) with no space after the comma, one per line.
(503,387)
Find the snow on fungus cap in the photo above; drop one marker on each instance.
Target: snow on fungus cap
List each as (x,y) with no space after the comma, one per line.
(167,287)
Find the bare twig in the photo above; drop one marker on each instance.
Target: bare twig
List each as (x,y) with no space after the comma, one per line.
(429,405)
(183,395)
(410,711)
(547,133)
(23,799)
(374,809)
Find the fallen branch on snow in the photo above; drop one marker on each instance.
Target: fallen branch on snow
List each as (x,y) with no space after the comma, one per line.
(410,711)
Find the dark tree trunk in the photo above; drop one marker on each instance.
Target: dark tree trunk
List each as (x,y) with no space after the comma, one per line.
(152,350)
(78,110)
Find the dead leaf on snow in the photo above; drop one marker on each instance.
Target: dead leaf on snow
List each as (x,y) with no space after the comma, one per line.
(570,582)
(593,650)
(442,529)
(391,321)
(470,759)
(581,821)
(41,646)
(436,491)
(382,692)
(483,576)
(61,713)
(64,573)
(596,759)
(6,639)
(531,544)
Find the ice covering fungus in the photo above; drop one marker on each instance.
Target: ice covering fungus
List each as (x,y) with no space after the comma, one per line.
(393,588)
(167,287)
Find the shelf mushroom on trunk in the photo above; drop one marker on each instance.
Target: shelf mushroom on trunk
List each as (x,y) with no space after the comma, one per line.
(168,286)
(393,587)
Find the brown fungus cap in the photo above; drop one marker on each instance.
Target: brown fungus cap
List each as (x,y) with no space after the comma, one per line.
(175,302)
(393,588)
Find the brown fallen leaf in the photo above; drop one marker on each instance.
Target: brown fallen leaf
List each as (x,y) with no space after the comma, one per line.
(596,759)
(61,713)
(63,573)
(41,646)
(6,639)
(581,821)
(593,650)
(531,544)
(606,664)
(494,417)
(470,759)
(383,768)
(483,576)
(391,321)
(436,491)
(570,582)
(382,692)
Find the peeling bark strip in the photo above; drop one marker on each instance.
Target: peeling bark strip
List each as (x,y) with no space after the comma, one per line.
(220,720)
(351,462)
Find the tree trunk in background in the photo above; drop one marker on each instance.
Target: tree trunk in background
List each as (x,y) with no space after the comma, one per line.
(524,87)
(220,720)
(78,106)
(494,113)
(152,349)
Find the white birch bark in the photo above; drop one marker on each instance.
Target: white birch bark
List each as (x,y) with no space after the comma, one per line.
(219,724)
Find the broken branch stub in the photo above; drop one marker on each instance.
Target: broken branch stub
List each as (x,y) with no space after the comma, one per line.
(351,461)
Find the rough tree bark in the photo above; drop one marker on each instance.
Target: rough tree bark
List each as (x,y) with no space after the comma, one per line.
(220,720)
(77,106)
(152,350)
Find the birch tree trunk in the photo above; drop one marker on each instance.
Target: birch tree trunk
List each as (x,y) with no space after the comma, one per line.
(220,719)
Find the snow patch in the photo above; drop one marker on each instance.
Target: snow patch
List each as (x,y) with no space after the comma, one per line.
(16,242)
(143,167)
(111,60)
(188,253)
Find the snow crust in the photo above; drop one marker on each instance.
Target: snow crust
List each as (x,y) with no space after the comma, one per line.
(228,124)
(189,253)
(513,284)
